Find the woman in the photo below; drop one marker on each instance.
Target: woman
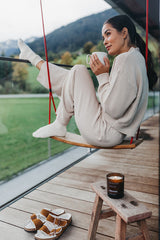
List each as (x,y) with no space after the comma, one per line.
(123,94)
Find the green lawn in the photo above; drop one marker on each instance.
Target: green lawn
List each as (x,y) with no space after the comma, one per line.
(33,85)
(153,101)
(18,149)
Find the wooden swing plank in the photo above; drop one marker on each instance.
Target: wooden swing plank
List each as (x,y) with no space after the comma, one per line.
(78,140)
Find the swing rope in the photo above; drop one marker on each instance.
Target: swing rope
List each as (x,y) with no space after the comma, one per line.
(46,55)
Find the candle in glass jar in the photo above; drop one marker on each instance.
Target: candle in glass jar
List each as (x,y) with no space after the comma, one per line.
(115,185)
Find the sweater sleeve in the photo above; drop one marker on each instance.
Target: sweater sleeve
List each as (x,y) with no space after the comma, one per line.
(118,91)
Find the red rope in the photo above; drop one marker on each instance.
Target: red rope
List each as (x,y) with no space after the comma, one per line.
(131,141)
(49,81)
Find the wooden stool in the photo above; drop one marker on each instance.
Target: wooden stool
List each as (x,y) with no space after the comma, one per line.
(126,209)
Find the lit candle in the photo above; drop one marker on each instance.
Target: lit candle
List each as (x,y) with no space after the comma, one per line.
(115,178)
(115,185)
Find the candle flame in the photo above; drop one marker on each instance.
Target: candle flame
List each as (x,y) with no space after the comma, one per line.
(115,177)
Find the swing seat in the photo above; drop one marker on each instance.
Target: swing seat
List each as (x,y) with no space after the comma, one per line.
(78,140)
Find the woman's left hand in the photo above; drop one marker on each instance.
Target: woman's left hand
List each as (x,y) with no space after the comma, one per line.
(98,67)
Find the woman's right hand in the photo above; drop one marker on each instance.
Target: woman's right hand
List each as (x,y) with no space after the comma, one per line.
(98,67)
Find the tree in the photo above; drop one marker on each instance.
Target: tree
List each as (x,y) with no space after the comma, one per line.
(99,47)
(87,47)
(19,74)
(66,58)
(5,70)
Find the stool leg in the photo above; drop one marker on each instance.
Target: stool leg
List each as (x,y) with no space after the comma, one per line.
(120,233)
(143,226)
(95,218)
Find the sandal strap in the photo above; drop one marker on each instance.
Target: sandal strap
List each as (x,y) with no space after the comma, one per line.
(33,216)
(58,211)
(48,226)
(56,231)
(45,229)
(51,218)
(45,212)
(38,223)
(65,216)
(60,222)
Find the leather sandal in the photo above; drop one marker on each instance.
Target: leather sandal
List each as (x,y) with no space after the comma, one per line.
(37,220)
(54,227)
(45,232)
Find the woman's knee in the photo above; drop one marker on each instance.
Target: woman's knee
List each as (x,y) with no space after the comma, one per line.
(81,72)
(79,67)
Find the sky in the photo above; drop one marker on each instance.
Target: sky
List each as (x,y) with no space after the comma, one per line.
(22,18)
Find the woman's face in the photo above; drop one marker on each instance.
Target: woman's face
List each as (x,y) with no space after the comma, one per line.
(114,41)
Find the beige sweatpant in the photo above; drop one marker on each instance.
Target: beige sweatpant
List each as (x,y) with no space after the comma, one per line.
(78,97)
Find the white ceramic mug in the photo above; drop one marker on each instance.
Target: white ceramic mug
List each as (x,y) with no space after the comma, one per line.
(100,55)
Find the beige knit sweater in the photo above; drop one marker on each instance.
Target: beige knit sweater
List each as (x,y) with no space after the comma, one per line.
(124,93)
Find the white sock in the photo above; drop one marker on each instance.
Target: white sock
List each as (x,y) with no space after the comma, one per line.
(53,129)
(27,53)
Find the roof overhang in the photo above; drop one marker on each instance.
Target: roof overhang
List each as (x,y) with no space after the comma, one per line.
(136,9)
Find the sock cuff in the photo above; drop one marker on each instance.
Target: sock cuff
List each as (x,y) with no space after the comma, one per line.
(59,124)
(36,60)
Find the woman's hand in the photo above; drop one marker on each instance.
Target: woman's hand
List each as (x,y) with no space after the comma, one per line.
(98,67)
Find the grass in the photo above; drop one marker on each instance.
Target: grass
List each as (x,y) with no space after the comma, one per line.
(32,76)
(19,150)
(34,86)
(153,101)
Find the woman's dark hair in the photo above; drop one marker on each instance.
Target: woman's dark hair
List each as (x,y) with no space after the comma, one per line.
(121,21)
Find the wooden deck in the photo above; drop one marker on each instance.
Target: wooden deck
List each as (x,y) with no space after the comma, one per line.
(71,190)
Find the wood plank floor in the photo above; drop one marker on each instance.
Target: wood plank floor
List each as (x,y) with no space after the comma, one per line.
(71,190)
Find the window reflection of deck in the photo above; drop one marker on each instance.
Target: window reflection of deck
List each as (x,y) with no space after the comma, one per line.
(71,190)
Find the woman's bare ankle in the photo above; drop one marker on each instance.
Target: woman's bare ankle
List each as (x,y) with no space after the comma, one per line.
(39,64)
